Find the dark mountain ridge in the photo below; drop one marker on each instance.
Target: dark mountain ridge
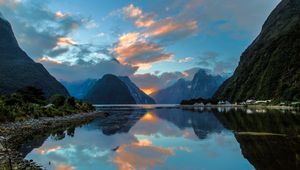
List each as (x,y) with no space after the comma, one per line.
(177,92)
(203,85)
(17,70)
(270,66)
(109,90)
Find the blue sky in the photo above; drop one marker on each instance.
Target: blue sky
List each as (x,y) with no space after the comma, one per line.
(154,42)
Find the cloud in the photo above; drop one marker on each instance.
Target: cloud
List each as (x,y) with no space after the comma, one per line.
(65,41)
(185,60)
(172,29)
(133,49)
(37,29)
(65,167)
(145,21)
(142,19)
(160,81)
(82,70)
(234,16)
(132,11)
(46,59)
(141,155)
(215,64)
(147,46)
(59,14)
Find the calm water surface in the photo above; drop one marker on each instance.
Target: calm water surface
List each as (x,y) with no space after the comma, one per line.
(171,138)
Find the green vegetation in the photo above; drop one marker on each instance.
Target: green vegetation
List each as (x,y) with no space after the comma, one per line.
(199,100)
(29,102)
(270,68)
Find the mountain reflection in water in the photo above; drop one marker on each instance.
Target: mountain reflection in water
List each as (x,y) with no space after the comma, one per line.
(173,138)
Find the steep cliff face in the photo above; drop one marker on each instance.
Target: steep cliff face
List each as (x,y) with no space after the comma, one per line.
(270,67)
(17,70)
(173,94)
(139,96)
(110,90)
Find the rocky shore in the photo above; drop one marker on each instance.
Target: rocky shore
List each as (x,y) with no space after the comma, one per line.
(13,135)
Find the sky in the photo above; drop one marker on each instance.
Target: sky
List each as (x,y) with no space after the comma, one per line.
(154,42)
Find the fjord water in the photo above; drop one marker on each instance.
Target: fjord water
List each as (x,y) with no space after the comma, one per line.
(155,137)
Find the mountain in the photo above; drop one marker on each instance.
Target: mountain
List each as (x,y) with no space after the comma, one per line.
(173,94)
(270,66)
(203,85)
(110,90)
(79,89)
(139,96)
(17,70)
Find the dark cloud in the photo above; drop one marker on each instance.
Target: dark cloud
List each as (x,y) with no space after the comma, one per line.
(37,28)
(235,16)
(57,51)
(87,69)
(215,64)
(163,80)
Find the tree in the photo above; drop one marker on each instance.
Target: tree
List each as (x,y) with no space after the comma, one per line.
(31,94)
(58,100)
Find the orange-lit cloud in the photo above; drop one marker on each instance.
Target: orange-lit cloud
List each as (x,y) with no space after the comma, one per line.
(43,151)
(140,155)
(132,11)
(149,90)
(65,41)
(125,52)
(46,59)
(65,167)
(127,40)
(59,14)
(142,19)
(143,66)
(133,50)
(170,25)
(145,21)
(144,142)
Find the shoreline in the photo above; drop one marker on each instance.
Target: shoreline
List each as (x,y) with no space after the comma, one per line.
(13,135)
(242,106)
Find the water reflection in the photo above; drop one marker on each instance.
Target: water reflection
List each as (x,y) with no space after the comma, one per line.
(268,139)
(172,138)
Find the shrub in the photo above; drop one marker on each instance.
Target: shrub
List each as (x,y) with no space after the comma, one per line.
(71,102)
(58,100)
(31,94)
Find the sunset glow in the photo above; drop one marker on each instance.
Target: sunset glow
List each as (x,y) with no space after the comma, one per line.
(149,117)
(149,90)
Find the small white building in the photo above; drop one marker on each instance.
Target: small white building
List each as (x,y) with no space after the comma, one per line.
(250,101)
(199,104)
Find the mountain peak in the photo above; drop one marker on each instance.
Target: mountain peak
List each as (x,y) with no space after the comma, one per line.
(7,37)
(111,89)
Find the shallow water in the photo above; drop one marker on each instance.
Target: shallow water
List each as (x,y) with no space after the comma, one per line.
(159,137)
